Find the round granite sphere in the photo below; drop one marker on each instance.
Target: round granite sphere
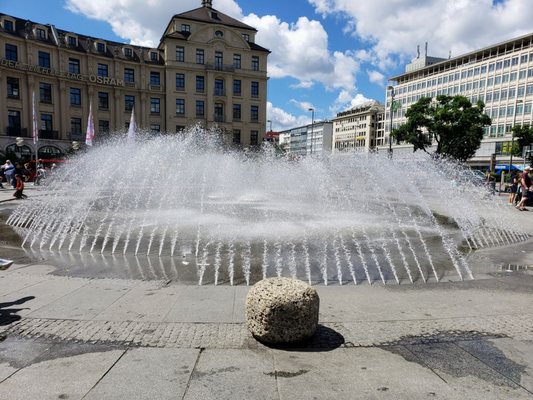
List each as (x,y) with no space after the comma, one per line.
(282,310)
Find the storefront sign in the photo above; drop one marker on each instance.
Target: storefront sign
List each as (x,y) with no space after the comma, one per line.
(102,80)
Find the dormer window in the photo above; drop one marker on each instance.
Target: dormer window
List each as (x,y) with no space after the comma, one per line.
(72,41)
(128,52)
(219,33)
(154,56)
(40,33)
(185,28)
(8,25)
(214,15)
(246,37)
(100,47)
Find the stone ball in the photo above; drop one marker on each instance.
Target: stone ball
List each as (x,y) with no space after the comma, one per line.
(282,310)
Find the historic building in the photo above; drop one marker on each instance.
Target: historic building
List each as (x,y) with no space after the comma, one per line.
(206,69)
(501,75)
(359,129)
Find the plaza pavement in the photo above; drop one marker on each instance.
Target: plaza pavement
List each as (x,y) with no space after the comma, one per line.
(80,338)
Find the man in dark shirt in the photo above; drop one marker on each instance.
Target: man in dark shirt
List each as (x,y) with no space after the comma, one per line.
(525,184)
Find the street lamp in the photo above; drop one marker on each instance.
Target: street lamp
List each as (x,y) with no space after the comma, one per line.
(270,122)
(512,135)
(312,127)
(391,88)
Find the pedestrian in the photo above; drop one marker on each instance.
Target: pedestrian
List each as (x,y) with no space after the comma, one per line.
(514,188)
(525,184)
(19,188)
(9,171)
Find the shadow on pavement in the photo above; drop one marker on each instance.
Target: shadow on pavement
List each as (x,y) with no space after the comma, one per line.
(9,315)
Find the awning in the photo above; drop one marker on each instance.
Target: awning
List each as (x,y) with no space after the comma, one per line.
(505,167)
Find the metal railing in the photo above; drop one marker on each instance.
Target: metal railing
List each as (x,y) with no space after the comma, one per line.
(219,118)
(219,67)
(48,134)
(76,136)
(16,131)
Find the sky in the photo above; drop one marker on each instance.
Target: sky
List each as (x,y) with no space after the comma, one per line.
(329,55)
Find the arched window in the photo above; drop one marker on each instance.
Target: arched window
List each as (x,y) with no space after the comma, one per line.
(50,152)
(16,154)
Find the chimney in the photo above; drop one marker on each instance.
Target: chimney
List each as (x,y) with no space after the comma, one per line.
(426,49)
(207,3)
(417,51)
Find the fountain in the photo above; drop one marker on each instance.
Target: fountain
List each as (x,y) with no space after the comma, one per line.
(178,204)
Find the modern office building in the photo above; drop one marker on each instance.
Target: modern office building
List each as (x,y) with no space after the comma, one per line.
(315,138)
(359,129)
(501,75)
(206,69)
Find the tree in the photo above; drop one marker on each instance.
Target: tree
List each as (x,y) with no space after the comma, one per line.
(453,123)
(523,137)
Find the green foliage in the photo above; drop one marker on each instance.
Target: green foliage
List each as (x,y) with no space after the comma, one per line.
(452,123)
(523,136)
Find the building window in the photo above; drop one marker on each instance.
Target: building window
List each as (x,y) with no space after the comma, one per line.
(254,113)
(180,53)
(237,61)
(236,87)
(103,100)
(180,107)
(523,59)
(45,92)
(8,25)
(154,56)
(155,78)
(129,102)
(236,136)
(44,59)
(40,33)
(200,84)
(255,63)
(75,126)
(219,87)
(11,52)
(254,138)
(103,70)
(103,127)
(180,81)
(179,128)
(13,122)
(128,52)
(200,108)
(155,105)
(155,128)
(200,56)
(75,97)
(185,28)
(13,88)
(219,60)
(100,47)
(46,122)
(255,89)
(129,75)
(246,37)
(73,66)
(237,112)
(72,41)
(219,112)
(219,33)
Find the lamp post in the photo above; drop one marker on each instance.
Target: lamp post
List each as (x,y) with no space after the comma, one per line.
(512,135)
(270,123)
(391,88)
(312,127)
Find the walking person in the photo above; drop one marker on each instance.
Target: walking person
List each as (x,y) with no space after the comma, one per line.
(9,171)
(514,188)
(19,188)
(525,184)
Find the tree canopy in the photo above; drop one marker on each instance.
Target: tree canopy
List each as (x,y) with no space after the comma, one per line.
(451,122)
(523,137)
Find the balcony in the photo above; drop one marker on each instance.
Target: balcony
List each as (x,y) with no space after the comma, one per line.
(155,87)
(79,136)
(219,118)
(220,92)
(13,96)
(16,131)
(48,134)
(129,84)
(220,67)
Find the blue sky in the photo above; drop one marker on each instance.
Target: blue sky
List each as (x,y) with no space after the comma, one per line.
(327,54)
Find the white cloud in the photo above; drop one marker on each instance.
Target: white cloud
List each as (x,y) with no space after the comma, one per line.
(282,120)
(141,21)
(395,28)
(302,105)
(376,77)
(300,50)
(346,100)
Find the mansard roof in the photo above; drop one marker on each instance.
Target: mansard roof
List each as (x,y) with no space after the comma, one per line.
(210,15)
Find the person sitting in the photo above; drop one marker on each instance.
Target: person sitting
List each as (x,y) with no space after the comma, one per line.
(19,188)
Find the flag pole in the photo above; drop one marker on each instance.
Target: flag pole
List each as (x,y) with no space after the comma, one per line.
(35,130)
